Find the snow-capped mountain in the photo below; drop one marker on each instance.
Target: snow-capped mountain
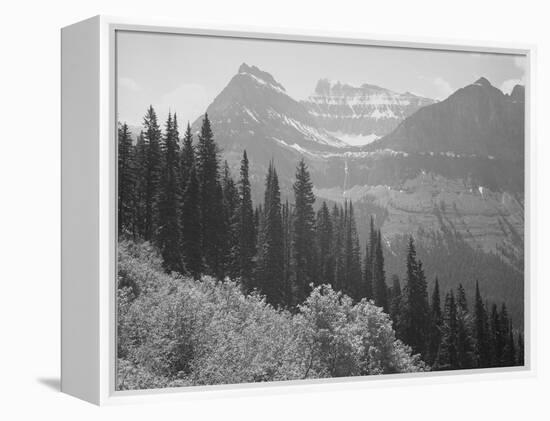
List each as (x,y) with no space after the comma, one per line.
(359,115)
(450,170)
(255,113)
(254,102)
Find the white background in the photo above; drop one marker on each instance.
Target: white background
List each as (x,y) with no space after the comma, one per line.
(29,210)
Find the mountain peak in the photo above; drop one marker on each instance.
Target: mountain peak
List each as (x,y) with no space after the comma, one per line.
(482,82)
(327,86)
(260,75)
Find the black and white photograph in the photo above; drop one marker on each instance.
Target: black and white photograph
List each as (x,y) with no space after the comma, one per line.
(291,210)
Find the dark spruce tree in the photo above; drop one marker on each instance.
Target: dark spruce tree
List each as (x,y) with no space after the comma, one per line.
(504,335)
(211,201)
(395,304)
(231,204)
(465,342)
(304,232)
(481,332)
(415,312)
(369,262)
(287,220)
(140,187)
(380,288)
(352,276)
(126,181)
(324,234)
(245,227)
(169,240)
(153,167)
(337,241)
(447,358)
(191,226)
(496,337)
(187,156)
(269,273)
(436,323)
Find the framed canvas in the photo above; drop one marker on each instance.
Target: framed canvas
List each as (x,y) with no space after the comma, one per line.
(244,210)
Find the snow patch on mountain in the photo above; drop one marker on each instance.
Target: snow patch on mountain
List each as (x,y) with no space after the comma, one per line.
(355,139)
(360,110)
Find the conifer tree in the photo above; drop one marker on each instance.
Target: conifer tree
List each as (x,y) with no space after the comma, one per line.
(191,226)
(395,305)
(447,358)
(436,324)
(497,342)
(211,201)
(352,279)
(169,240)
(415,314)
(287,220)
(369,262)
(230,224)
(125,180)
(304,232)
(187,156)
(324,236)
(481,332)
(152,137)
(367,274)
(140,187)
(270,247)
(465,345)
(380,289)
(245,229)
(338,228)
(504,334)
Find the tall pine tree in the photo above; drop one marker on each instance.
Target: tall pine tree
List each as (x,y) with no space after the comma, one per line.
(245,229)
(270,248)
(304,232)
(436,324)
(481,332)
(465,344)
(415,314)
(211,201)
(169,240)
(153,167)
(380,289)
(126,180)
(447,358)
(191,226)
(231,226)
(324,244)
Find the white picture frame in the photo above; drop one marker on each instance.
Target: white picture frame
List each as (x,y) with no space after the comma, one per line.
(88,325)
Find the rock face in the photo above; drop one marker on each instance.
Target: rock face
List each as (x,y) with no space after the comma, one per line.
(360,114)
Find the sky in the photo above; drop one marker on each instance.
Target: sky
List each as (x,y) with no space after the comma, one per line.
(184,73)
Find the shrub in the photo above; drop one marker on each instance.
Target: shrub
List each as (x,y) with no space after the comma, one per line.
(175,331)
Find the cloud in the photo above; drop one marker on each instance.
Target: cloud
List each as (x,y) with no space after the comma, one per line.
(129,84)
(509,84)
(444,88)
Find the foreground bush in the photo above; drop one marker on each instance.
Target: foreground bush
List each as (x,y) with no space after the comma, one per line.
(175,331)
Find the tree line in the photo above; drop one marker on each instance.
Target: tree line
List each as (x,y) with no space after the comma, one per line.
(181,197)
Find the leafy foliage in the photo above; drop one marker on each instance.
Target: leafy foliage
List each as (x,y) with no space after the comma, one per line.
(175,331)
